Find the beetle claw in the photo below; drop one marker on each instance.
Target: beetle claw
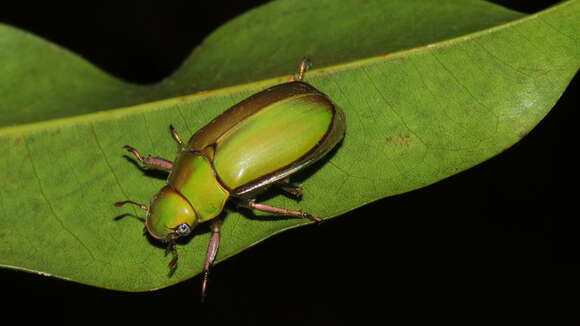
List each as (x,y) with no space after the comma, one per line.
(204,285)
(297,193)
(121,203)
(316,219)
(305,64)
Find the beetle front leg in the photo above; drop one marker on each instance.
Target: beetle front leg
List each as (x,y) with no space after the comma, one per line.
(212,250)
(154,163)
(278,211)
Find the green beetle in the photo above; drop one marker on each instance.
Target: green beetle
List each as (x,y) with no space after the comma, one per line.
(256,144)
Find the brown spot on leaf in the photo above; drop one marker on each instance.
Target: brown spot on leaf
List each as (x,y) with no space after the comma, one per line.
(17,140)
(400,139)
(523,134)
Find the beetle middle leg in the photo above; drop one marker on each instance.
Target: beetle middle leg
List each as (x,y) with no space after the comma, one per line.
(305,64)
(151,162)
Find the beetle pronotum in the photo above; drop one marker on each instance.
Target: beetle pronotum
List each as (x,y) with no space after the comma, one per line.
(255,144)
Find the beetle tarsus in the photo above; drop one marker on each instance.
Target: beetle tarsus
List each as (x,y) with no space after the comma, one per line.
(279,211)
(212,250)
(176,136)
(121,203)
(292,189)
(151,162)
(172,265)
(134,152)
(204,285)
(312,217)
(297,192)
(305,64)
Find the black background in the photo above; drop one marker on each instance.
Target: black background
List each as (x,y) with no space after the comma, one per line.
(496,243)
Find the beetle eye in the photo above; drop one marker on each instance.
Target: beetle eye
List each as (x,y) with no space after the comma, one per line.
(183,229)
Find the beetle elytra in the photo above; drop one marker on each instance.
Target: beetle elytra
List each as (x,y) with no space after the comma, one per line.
(255,144)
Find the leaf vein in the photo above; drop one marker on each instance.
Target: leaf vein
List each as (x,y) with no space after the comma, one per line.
(498,59)
(49,204)
(107,163)
(180,112)
(468,91)
(542,20)
(392,108)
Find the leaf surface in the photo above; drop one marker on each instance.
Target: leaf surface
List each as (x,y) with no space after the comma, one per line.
(429,90)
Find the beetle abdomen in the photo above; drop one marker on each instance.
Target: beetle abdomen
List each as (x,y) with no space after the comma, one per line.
(270,135)
(271,139)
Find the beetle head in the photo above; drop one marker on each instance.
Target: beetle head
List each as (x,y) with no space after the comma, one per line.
(170,216)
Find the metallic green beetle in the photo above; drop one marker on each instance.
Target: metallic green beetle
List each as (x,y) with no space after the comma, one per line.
(256,144)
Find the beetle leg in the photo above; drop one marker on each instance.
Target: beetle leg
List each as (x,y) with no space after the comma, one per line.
(121,203)
(291,188)
(171,249)
(279,211)
(176,136)
(212,250)
(305,64)
(154,163)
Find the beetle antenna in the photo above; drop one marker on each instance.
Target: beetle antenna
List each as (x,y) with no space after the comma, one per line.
(121,203)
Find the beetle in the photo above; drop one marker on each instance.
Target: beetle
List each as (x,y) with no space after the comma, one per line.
(256,144)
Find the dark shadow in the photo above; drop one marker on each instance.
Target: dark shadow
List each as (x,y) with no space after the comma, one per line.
(122,216)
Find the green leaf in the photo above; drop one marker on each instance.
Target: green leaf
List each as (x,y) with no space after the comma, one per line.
(429,90)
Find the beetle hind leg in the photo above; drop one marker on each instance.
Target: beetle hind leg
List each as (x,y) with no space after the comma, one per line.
(151,162)
(279,211)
